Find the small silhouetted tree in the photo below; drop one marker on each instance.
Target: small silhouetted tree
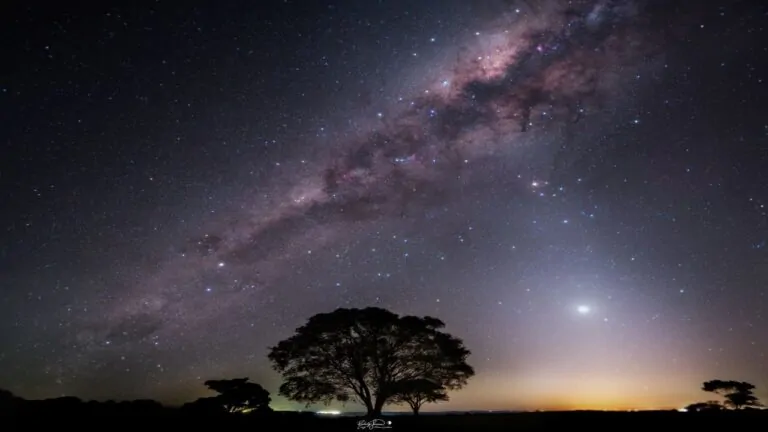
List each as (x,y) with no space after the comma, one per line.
(362,354)
(205,406)
(704,406)
(737,394)
(9,403)
(236,395)
(417,392)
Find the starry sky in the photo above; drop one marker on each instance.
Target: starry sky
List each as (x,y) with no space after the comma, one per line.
(576,188)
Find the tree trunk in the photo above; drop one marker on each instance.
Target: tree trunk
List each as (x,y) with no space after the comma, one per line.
(368,408)
(415,409)
(377,407)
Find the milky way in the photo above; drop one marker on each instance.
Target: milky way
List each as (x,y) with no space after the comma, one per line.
(493,164)
(560,62)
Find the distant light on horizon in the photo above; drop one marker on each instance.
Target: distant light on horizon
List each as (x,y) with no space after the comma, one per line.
(332,412)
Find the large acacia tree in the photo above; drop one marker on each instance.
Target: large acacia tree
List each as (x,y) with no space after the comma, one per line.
(238,395)
(366,355)
(737,394)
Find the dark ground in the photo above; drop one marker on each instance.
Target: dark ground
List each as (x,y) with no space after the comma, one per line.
(588,420)
(282,421)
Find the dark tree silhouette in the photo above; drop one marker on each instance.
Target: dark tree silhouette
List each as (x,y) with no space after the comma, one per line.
(417,392)
(362,355)
(237,395)
(737,394)
(704,406)
(9,403)
(6,397)
(206,406)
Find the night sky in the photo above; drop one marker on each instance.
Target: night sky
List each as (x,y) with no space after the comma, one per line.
(576,188)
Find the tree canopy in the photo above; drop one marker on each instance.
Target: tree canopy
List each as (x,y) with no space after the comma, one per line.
(737,394)
(366,355)
(704,406)
(238,394)
(417,392)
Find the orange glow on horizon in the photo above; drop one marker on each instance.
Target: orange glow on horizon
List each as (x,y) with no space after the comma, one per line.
(563,393)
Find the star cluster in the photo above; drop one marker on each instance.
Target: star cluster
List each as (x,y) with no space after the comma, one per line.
(576,188)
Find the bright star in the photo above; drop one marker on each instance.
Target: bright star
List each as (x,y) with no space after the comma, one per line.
(583,309)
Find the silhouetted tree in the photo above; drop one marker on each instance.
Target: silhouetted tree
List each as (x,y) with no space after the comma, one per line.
(205,406)
(362,355)
(147,406)
(704,406)
(737,394)
(5,395)
(417,392)
(237,395)
(9,403)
